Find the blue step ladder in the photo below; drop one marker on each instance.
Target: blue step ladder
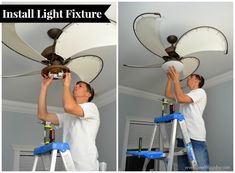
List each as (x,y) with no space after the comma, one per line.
(169,156)
(51,150)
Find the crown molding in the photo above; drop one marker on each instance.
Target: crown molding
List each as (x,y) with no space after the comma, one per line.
(105,98)
(30,108)
(24,107)
(139,93)
(108,97)
(220,79)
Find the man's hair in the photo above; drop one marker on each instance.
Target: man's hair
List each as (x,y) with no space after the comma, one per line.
(200,78)
(89,89)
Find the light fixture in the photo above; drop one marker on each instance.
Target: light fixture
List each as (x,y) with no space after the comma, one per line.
(176,64)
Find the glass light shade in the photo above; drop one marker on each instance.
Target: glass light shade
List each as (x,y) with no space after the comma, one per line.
(177,64)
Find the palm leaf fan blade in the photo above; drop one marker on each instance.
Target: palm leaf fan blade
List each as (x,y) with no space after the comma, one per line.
(86,67)
(12,40)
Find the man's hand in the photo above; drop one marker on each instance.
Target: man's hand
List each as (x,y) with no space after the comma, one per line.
(46,81)
(173,74)
(67,79)
(168,76)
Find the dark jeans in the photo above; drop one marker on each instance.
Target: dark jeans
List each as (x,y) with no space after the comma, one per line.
(201,154)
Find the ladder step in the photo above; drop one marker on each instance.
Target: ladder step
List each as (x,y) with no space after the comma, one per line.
(148,154)
(52,146)
(169,118)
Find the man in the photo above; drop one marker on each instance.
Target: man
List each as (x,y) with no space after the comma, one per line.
(80,122)
(192,106)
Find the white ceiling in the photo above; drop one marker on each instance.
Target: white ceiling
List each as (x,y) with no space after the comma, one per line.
(178,18)
(26,89)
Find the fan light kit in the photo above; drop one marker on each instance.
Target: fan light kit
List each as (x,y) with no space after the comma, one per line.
(146,27)
(60,57)
(176,64)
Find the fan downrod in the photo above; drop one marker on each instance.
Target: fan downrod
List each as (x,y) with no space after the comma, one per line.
(172,39)
(54,33)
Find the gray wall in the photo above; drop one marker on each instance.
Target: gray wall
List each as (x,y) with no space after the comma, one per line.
(218,117)
(106,138)
(137,107)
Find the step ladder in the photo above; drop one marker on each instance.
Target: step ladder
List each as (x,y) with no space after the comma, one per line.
(48,153)
(168,157)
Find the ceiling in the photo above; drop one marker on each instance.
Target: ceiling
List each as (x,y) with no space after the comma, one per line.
(178,17)
(26,89)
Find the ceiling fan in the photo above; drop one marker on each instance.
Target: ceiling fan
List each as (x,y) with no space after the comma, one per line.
(60,57)
(146,27)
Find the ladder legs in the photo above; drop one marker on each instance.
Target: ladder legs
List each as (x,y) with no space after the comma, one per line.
(66,157)
(161,163)
(174,119)
(188,146)
(172,146)
(48,153)
(68,161)
(152,138)
(146,160)
(53,160)
(46,161)
(35,163)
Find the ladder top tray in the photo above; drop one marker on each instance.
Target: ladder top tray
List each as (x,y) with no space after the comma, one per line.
(51,146)
(148,154)
(169,118)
